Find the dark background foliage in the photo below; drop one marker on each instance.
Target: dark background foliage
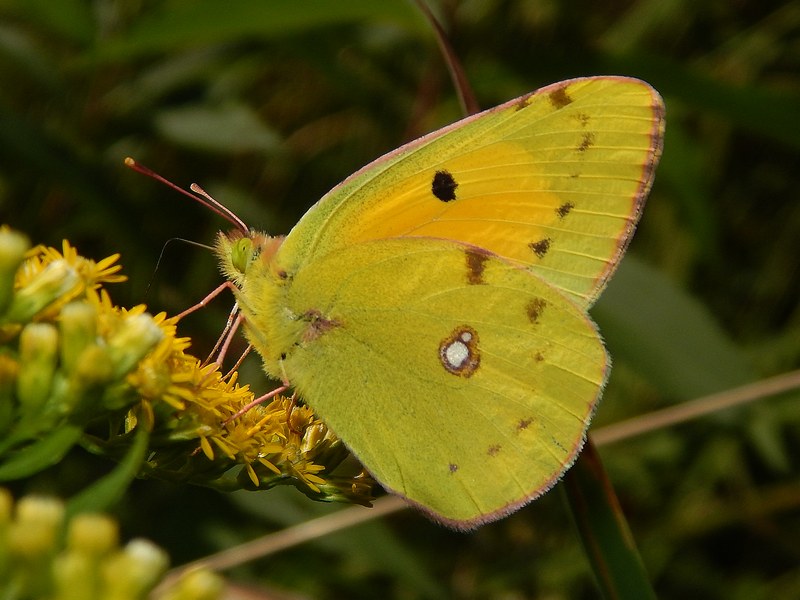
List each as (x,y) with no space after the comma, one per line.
(269,104)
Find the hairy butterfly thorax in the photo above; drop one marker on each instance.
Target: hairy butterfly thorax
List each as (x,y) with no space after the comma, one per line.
(250,263)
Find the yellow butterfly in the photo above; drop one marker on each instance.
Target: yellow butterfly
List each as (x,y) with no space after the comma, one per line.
(432,308)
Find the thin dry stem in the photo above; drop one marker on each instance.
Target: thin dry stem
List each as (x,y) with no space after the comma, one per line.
(693,409)
(355,515)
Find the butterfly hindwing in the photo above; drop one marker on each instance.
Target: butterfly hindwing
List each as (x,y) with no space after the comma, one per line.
(463,382)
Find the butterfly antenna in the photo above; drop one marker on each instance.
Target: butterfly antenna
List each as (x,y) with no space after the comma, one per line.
(161,257)
(469,105)
(199,195)
(219,208)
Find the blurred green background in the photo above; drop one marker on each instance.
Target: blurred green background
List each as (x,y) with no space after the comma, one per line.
(267,104)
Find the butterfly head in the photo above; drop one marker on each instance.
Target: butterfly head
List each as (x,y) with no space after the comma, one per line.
(239,254)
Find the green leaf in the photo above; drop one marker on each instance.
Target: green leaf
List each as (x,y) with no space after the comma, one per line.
(768,112)
(229,128)
(71,19)
(207,22)
(105,492)
(667,336)
(604,531)
(41,454)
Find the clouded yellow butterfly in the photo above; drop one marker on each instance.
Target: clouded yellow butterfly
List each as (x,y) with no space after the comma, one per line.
(432,308)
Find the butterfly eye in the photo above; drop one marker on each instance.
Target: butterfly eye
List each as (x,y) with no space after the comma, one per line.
(242,254)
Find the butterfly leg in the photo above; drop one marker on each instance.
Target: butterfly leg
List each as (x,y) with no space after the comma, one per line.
(220,349)
(204,302)
(256,402)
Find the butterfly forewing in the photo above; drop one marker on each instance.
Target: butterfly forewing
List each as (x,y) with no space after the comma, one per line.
(554,180)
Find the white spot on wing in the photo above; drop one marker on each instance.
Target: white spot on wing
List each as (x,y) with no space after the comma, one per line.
(459,352)
(456,353)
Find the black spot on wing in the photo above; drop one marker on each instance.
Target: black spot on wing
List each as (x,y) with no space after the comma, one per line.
(523,424)
(559,97)
(476,263)
(535,309)
(444,186)
(587,141)
(317,326)
(563,210)
(523,102)
(541,247)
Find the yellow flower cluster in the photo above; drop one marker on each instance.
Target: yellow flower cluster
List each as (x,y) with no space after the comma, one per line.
(71,356)
(46,554)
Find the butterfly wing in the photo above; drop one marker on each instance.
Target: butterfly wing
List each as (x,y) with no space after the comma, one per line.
(554,180)
(462,381)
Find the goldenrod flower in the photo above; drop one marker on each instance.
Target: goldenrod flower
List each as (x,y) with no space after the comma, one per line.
(72,358)
(50,279)
(47,555)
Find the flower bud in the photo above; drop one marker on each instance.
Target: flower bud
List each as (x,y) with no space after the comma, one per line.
(6,506)
(75,576)
(38,350)
(92,534)
(36,528)
(78,331)
(13,246)
(352,490)
(57,279)
(134,571)
(137,336)
(9,373)
(94,366)
(200,584)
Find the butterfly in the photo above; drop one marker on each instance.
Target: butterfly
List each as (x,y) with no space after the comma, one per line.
(432,308)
